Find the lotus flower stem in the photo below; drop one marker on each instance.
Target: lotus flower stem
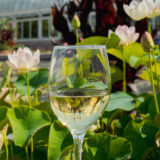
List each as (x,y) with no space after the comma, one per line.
(151,73)
(30,105)
(156,70)
(149,26)
(27,157)
(77,37)
(28,90)
(124,73)
(6,145)
(152,83)
(11,94)
(11,151)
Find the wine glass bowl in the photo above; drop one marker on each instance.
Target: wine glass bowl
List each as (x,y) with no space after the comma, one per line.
(79,87)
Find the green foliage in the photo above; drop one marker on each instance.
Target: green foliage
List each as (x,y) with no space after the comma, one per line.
(106,147)
(6,77)
(133,53)
(3,116)
(121,100)
(156,73)
(35,79)
(142,136)
(95,85)
(116,74)
(128,129)
(25,122)
(112,41)
(94,40)
(151,107)
(59,139)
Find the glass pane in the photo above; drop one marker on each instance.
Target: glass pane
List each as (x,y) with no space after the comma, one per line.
(45,28)
(19,25)
(34,29)
(26,30)
(54,32)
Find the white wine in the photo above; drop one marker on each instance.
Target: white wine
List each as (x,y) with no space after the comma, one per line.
(76,109)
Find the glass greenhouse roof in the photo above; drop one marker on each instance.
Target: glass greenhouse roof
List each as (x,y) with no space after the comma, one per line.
(20,7)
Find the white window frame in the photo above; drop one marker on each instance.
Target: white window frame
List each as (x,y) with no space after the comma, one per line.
(39,20)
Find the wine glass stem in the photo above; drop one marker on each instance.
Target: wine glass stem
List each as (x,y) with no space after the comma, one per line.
(78,141)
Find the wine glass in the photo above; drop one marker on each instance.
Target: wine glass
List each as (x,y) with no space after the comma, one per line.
(79,88)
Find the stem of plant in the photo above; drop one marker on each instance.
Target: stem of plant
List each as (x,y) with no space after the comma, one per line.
(27,157)
(11,94)
(81,70)
(124,73)
(153,53)
(77,37)
(11,146)
(152,83)
(36,96)
(151,73)
(6,145)
(30,105)
(28,90)
(156,70)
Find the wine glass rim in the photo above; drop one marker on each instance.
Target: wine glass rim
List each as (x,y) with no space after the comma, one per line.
(80,47)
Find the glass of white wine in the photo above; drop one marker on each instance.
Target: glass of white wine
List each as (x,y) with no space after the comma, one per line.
(79,88)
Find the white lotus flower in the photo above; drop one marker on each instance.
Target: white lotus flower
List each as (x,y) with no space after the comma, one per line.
(23,61)
(126,34)
(144,9)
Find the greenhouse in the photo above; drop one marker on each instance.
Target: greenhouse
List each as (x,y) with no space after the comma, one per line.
(79,80)
(31,18)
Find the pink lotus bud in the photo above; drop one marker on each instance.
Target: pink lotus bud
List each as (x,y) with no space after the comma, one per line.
(147,42)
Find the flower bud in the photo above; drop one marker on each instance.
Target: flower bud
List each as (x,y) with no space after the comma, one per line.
(76,22)
(147,42)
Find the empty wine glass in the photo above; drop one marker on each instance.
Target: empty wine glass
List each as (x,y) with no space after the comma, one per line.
(79,88)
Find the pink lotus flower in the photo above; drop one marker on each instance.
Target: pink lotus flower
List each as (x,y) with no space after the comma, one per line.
(23,61)
(143,9)
(126,34)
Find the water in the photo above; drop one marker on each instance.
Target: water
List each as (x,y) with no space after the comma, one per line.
(79,110)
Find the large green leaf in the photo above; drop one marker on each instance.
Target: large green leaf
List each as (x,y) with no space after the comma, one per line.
(116,52)
(134,49)
(69,66)
(6,78)
(95,40)
(95,85)
(25,122)
(142,136)
(112,41)
(156,73)
(106,147)
(42,135)
(46,107)
(121,100)
(59,139)
(35,79)
(133,54)
(152,107)
(3,116)
(144,100)
(116,74)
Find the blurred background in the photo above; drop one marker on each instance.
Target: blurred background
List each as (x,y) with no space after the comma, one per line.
(45,23)
(42,24)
